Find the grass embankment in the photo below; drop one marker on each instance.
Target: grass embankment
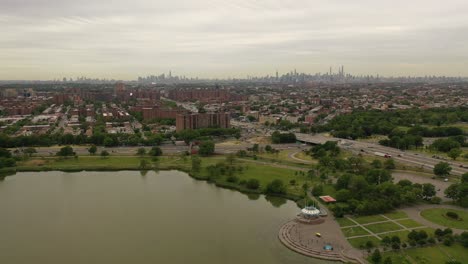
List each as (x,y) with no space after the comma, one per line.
(431,254)
(284,157)
(439,216)
(264,173)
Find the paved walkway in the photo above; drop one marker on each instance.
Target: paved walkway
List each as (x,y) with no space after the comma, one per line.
(302,239)
(292,155)
(363,227)
(414,212)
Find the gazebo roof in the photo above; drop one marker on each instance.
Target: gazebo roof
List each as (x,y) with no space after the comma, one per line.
(310,211)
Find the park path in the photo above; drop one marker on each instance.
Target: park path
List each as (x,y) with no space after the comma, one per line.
(292,155)
(414,212)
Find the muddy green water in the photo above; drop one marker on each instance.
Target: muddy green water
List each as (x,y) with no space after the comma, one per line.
(127,217)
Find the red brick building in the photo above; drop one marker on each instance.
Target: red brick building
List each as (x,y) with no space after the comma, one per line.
(202,120)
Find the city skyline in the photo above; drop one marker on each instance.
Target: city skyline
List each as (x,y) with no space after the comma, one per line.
(45,40)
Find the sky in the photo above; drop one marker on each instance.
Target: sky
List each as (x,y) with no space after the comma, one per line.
(122,39)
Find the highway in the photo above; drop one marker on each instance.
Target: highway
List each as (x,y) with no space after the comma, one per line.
(405,157)
(221,148)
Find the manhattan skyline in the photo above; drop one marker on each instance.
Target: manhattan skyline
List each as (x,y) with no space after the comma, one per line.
(45,40)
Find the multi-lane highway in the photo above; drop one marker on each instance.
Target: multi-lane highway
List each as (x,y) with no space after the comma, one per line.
(221,148)
(405,157)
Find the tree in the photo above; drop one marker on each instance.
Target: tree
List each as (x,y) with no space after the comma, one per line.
(92,150)
(5,153)
(428,190)
(452,191)
(376,256)
(388,260)
(156,151)
(317,190)
(206,148)
(188,135)
(389,164)
(196,164)
(29,151)
(255,148)
(276,187)
(268,148)
(376,164)
(108,142)
(141,151)
(305,188)
(66,151)
(144,164)
(454,153)
(464,239)
(442,169)
(253,184)
(464,178)
(231,158)
(104,153)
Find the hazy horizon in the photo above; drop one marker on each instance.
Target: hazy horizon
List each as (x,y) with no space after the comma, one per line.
(50,39)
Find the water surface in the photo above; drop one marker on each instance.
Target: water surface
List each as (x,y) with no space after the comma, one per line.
(125,217)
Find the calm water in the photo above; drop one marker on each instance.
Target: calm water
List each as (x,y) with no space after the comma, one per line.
(125,217)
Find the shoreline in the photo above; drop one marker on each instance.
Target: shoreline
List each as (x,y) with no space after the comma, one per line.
(5,172)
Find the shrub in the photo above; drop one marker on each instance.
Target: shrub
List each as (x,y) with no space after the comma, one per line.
(253,184)
(452,215)
(232,179)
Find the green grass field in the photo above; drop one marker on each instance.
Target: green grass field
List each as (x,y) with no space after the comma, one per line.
(383,227)
(343,222)
(427,255)
(438,216)
(396,215)
(409,223)
(359,242)
(403,235)
(368,219)
(264,173)
(354,231)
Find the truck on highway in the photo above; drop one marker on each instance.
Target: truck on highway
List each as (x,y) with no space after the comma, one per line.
(383,155)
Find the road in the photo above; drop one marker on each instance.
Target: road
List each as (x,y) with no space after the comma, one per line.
(405,157)
(166,148)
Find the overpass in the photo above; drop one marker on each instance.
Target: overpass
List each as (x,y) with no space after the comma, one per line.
(406,157)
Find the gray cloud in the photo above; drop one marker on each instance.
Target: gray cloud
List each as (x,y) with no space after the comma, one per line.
(43,39)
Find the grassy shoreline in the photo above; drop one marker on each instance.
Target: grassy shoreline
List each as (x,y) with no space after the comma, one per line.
(262,172)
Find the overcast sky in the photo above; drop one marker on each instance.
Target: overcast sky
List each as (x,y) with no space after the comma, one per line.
(123,39)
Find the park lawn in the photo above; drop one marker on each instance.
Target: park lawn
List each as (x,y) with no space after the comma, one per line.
(302,155)
(403,235)
(426,255)
(396,215)
(409,223)
(359,242)
(437,215)
(369,219)
(344,222)
(354,231)
(383,227)
(282,155)
(264,173)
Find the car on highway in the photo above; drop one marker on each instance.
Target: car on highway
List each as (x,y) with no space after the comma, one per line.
(318,234)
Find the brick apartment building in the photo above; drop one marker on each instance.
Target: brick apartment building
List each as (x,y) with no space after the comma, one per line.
(202,120)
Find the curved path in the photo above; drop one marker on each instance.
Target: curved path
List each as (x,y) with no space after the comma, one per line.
(414,213)
(292,155)
(301,238)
